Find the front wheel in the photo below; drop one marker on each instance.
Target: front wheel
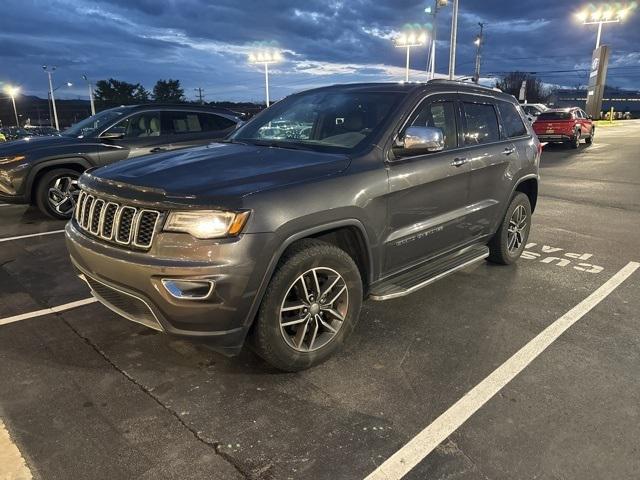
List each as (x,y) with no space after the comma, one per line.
(310,307)
(56,193)
(509,241)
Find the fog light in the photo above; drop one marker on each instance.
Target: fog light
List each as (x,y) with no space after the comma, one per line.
(188,289)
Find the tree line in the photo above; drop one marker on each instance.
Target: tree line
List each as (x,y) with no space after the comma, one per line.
(112,92)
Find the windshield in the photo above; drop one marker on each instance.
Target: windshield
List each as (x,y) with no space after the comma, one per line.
(554,116)
(90,126)
(325,121)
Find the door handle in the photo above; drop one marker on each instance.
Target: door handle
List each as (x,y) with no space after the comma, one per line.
(509,151)
(158,149)
(458,162)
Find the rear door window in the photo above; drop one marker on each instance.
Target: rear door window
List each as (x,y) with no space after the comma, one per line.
(512,123)
(480,124)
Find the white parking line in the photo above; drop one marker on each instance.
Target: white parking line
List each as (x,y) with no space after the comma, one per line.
(401,462)
(8,239)
(47,311)
(12,465)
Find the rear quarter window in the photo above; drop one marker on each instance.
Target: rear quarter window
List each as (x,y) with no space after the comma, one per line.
(512,123)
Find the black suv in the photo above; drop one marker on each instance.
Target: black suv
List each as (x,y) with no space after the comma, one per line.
(328,197)
(44,170)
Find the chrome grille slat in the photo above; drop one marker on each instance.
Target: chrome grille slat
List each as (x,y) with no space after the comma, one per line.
(124,225)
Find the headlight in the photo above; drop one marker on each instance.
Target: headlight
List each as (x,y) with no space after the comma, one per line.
(206,223)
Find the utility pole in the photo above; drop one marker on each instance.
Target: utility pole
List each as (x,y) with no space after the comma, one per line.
(454,38)
(200,95)
(479,41)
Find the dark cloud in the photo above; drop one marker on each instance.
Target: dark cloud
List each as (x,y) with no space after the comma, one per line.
(204,43)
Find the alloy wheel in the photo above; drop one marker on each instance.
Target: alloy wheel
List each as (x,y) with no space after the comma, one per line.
(517,229)
(62,194)
(314,309)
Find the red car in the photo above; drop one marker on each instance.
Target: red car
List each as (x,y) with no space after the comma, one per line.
(565,125)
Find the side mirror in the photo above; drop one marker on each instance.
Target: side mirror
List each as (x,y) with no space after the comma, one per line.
(426,139)
(590,117)
(114,133)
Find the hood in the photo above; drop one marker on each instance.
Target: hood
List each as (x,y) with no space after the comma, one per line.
(221,169)
(27,145)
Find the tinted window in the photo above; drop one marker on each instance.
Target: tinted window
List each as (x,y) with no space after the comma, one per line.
(441,115)
(554,116)
(179,123)
(211,122)
(140,125)
(511,120)
(481,124)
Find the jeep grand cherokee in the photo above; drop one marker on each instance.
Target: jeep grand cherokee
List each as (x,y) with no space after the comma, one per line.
(328,197)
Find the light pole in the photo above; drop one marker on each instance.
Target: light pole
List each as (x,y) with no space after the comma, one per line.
(49,71)
(454,38)
(12,92)
(67,84)
(478,43)
(431,68)
(93,107)
(265,57)
(408,40)
(601,15)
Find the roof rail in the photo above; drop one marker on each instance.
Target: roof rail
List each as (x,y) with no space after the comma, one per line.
(460,82)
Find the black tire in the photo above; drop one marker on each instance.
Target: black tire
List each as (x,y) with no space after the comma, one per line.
(499,251)
(589,139)
(41,193)
(575,141)
(273,342)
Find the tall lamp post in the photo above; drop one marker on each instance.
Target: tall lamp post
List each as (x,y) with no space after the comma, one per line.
(408,40)
(431,69)
(602,15)
(12,92)
(479,41)
(93,107)
(265,57)
(454,39)
(49,70)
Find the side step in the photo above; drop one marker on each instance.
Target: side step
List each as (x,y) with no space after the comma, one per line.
(412,280)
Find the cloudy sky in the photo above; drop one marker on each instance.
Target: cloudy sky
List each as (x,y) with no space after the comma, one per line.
(205,43)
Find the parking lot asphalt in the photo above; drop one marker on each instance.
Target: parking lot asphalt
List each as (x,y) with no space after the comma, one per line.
(86,394)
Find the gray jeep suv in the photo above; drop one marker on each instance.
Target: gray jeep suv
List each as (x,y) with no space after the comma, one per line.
(329,197)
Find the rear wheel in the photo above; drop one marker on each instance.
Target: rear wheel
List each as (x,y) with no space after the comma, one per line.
(56,193)
(509,241)
(589,139)
(575,141)
(310,307)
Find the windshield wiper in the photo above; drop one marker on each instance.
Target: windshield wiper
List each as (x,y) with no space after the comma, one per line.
(276,144)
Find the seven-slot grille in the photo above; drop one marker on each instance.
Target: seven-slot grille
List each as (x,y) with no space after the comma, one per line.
(113,222)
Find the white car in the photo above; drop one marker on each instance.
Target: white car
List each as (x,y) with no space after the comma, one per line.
(532,110)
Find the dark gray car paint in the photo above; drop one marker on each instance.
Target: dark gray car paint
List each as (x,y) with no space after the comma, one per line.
(407,209)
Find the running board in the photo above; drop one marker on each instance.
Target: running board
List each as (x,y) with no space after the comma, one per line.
(415,279)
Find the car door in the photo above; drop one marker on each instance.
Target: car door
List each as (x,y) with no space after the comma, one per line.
(427,200)
(489,153)
(140,134)
(191,128)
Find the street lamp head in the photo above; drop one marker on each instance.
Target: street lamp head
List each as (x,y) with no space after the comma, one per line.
(84,77)
(411,38)
(265,56)
(12,91)
(69,84)
(476,42)
(612,13)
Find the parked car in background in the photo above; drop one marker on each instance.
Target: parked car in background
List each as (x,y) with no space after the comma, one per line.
(44,170)
(41,131)
(532,110)
(16,133)
(327,197)
(565,125)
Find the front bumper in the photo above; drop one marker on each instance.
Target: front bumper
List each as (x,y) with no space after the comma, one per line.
(130,282)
